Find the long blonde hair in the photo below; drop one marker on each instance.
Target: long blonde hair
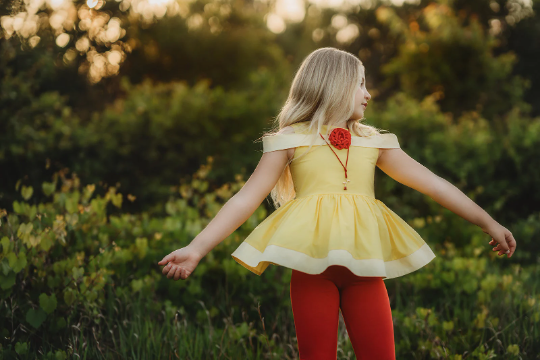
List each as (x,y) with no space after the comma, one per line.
(322,93)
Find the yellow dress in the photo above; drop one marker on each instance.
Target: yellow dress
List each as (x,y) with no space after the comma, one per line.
(326,225)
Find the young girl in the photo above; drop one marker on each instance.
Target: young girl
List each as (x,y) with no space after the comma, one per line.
(338,239)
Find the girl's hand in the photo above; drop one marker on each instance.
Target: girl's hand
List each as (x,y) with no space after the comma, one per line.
(506,244)
(180,263)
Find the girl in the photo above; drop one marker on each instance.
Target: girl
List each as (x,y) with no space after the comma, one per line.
(339,241)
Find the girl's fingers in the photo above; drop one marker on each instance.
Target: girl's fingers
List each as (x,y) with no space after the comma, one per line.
(166,268)
(501,250)
(175,271)
(512,245)
(178,273)
(507,246)
(167,259)
(172,271)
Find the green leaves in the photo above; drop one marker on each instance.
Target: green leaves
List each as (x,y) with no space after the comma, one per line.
(33,241)
(48,187)
(24,231)
(27,192)
(47,303)
(4,266)
(115,198)
(36,317)
(141,246)
(77,272)
(17,263)
(136,285)
(513,349)
(47,240)
(21,348)
(72,203)
(7,280)
(5,245)
(24,209)
(72,219)
(69,296)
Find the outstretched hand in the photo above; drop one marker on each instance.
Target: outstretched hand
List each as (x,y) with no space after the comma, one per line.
(506,244)
(180,263)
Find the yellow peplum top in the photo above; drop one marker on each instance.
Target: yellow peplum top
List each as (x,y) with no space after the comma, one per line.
(326,225)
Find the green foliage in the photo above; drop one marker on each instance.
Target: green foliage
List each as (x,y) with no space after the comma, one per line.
(47,303)
(95,267)
(67,253)
(187,106)
(453,56)
(21,348)
(181,126)
(36,317)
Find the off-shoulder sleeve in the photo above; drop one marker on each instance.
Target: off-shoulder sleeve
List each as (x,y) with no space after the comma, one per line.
(282,141)
(382,141)
(386,141)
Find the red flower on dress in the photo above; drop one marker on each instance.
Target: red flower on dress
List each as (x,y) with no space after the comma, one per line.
(340,138)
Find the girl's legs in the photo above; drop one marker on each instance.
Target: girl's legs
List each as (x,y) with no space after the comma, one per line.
(315,305)
(365,307)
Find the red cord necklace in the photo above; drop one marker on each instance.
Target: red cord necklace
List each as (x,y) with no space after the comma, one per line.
(341,139)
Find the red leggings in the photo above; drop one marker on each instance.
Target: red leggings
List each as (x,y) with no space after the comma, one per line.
(365,307)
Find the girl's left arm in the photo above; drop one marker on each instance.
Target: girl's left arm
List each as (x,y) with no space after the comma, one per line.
(407,171)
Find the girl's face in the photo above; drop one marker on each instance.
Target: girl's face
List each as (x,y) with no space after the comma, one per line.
(361,99)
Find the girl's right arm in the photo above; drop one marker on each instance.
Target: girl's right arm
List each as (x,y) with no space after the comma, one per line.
(234,213)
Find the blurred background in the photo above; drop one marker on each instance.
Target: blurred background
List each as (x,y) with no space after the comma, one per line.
(125,125)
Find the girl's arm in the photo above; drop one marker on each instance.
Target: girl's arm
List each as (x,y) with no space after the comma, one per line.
(407,171)
(180,263)
(244,203)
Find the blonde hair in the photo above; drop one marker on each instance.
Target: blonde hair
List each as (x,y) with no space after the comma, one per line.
(322,93)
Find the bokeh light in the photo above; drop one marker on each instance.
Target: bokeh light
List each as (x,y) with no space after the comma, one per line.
(90,28)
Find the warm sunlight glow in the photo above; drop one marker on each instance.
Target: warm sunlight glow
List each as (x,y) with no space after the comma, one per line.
(56,4)
(275,23)
(292,10)
(327,3)
(88,32)
(347,34)
(62,40)
(363,3)
(339,21)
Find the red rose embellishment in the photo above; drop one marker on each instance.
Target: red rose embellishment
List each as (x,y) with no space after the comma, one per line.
(340,138)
